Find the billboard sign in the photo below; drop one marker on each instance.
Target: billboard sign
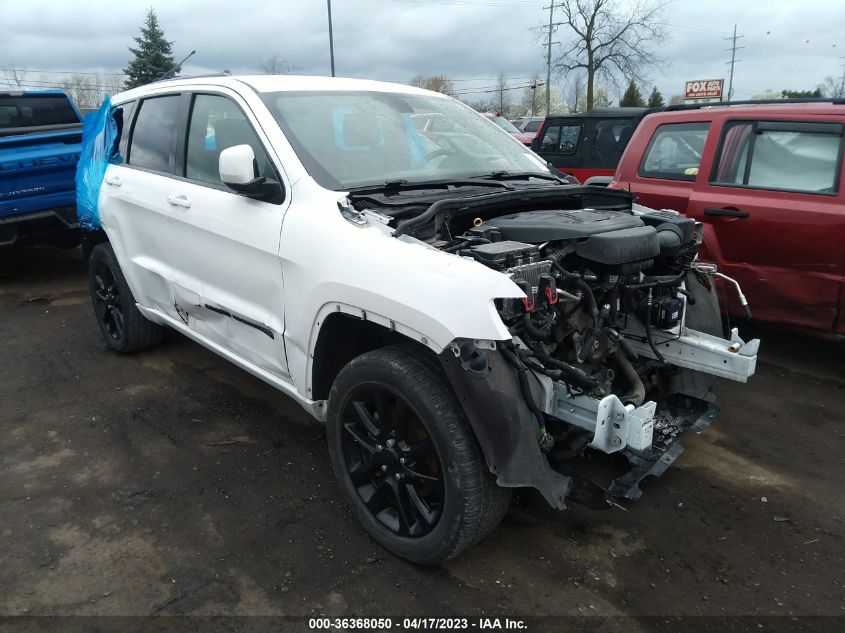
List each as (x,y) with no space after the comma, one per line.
(704,89)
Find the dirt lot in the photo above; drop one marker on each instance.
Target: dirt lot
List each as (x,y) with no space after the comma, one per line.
(174,483)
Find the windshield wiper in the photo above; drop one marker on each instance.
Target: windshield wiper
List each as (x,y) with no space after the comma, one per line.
(509,175)
(444,183)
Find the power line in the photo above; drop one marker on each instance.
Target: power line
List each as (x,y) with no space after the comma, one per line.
(68,72)
(468,3)
(497,88)
(733,49)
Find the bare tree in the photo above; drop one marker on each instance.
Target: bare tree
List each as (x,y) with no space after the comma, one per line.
(575,91)
(532,96)
(274,65)
(417,81)
(14,75)
(440,83)
(833,88)
(609,40)
(501,94)
(676,99)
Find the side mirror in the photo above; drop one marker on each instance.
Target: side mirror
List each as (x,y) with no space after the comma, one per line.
(239,169)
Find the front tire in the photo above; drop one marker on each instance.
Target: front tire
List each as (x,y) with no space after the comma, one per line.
(124,328)
(406,459)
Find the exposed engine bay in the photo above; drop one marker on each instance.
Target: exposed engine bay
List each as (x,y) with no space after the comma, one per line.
(600,344)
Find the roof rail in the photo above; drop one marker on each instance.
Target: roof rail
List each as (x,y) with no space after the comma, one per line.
(719,104)
(223,74)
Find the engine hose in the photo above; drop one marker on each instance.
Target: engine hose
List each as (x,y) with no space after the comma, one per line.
(637,394)
(465,243)
(534,331)
(623,343)
(648,336)
(572,375)
(654,282)
(522,374)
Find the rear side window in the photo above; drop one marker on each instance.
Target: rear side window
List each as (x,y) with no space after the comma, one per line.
(675,151)
(152,135)
(783,156)
(561,139)
(217,124)
(532,126)
(611,139)
(34,111)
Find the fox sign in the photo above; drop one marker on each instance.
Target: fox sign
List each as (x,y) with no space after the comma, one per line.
(704,89)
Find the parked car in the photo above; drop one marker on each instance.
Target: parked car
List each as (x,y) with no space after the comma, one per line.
(40,140)
(497,118)
(588,144)
(464,322)
(766,182)
(529,124)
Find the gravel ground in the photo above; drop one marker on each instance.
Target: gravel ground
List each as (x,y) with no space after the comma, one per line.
(171,483)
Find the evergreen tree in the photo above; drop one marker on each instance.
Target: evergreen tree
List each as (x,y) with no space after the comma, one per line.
(153,57)
(801,94)
(656,99)
(632,97)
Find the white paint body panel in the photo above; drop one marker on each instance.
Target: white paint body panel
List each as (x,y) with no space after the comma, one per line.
(285,267)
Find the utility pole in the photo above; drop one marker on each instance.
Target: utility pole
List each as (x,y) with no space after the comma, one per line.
(552,25)
(842,85)
(331,38)
(733,49)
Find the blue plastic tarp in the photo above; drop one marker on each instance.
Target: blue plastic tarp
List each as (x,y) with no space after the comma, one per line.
(99,134)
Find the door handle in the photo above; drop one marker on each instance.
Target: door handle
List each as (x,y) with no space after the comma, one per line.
(727,213)
(113,180)
(179,200)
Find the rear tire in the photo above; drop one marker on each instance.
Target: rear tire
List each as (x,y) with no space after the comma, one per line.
(124,328)
(406,459)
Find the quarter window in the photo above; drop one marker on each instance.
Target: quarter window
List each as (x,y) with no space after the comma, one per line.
(217,124)
(780,156)
(675,151)
(153,133)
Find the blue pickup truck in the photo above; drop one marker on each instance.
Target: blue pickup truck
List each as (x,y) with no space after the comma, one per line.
(40,141)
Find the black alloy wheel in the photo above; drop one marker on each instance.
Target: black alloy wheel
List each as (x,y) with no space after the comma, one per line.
(124,328)
(405,456)
(391,460)
(107,301)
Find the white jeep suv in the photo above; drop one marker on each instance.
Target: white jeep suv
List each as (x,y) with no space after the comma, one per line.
(464,320)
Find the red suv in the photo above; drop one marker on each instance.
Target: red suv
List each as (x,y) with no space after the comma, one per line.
(766,182)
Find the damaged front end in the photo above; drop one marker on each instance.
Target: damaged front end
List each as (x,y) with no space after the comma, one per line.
(601,357)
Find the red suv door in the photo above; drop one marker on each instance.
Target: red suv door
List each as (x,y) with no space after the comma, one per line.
(774,216)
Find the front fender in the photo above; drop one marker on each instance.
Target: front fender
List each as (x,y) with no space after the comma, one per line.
(402,283)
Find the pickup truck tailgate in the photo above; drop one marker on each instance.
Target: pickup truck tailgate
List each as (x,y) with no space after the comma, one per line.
(37,170)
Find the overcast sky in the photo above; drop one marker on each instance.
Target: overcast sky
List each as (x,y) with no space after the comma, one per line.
(788,44)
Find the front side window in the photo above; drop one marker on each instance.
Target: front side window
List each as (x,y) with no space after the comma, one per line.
(152,135)
(532,126)
(780,156)
(674,152)
(217,124)
(561,139)
(348,139)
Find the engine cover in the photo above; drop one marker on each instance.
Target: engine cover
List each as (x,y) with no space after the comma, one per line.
(620,247)
(535,227)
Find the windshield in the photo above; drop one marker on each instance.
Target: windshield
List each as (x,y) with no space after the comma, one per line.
(503,123)
(351,139)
